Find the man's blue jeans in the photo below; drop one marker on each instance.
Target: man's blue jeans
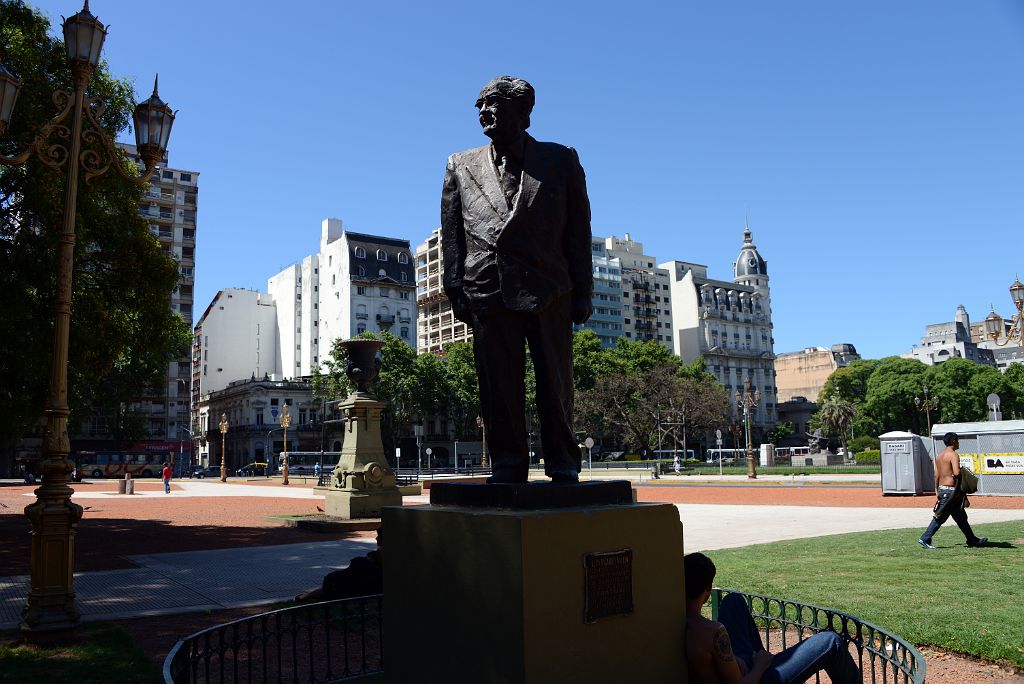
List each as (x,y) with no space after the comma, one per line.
(167,486)
(823,651)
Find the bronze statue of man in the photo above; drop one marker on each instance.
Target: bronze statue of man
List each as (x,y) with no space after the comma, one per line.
(515,236)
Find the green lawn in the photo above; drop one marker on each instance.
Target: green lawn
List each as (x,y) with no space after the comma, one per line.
(102,653)
(965,600)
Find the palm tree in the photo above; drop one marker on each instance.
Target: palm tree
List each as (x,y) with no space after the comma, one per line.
(837,415)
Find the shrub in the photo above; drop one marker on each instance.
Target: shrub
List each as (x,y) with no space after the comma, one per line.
(863,443)
(869,456)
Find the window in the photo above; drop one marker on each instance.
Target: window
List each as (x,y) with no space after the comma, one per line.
(186,177)
(360,253)
(360,271)
(403,294)
(385,292)
(405,333)
(273,402)
(169,175)
(404,277)
(361,328)
(382,255)
(360,290)
(403,258)
(259,417)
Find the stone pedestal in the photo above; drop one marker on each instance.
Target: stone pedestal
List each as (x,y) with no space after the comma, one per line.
(579,594)
(362,483)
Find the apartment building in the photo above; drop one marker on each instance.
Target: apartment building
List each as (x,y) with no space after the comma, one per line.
(170,205)
(646,295)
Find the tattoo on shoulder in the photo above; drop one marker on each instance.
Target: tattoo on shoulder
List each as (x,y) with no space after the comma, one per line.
(722,646)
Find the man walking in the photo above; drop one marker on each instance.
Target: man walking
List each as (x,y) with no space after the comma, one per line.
(515,235)
(952,501)
(167,478)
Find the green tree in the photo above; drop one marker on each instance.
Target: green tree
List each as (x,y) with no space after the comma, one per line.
(780,432)
(123,333)
(460,370)
(836,415)
(1013,405)
(891,389)
(850,382)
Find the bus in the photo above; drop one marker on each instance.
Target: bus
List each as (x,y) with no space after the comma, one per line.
(726,455)
(120,463)
(305,462)
(788,453)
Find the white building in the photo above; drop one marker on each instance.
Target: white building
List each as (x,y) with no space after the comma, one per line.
(242,325)
(646,296)
(952,340)
(729,324)
(355,283)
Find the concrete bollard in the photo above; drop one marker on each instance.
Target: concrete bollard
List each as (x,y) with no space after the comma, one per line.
(122,485)
(129,486)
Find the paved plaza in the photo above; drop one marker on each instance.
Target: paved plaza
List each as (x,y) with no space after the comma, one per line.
(178,582)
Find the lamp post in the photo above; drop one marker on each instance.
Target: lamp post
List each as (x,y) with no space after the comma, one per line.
(483,430)
(51,599)
(748,401)
(995,327)
(223,433)
(928,404)
(191,445)
(286,420)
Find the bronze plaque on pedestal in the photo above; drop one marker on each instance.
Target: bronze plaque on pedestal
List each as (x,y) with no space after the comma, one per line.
(607,584)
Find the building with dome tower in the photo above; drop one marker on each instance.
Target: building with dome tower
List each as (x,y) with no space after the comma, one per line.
(729,324)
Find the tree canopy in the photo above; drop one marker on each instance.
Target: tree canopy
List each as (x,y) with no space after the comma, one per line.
(123,333)
(883,393)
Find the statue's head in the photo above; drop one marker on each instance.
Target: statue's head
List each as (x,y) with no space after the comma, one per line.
(505,104)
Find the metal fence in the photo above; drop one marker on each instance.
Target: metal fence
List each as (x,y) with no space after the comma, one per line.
(881,655)
(317,643)
(338,640)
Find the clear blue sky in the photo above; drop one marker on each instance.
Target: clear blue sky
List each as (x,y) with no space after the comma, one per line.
(878,145)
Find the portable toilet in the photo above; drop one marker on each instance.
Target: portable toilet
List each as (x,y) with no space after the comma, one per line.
(906,465)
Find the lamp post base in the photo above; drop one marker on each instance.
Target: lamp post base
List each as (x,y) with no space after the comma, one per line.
(751,468)
(51,610)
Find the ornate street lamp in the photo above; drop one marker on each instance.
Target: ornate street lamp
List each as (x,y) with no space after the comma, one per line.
(483,452)
(223,433)
(995,327)
(928,404)
(748,401)
(286,420)
(51,598)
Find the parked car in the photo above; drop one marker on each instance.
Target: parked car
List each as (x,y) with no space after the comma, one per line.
(255,469)
(200,472)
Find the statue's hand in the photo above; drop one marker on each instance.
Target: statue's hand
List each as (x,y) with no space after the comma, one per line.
(581,309)
(460,307)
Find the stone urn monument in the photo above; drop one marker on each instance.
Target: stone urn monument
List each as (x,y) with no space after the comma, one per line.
(362,482)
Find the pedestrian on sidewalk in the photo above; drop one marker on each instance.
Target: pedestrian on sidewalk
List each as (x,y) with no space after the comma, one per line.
(167,479)
(950,494)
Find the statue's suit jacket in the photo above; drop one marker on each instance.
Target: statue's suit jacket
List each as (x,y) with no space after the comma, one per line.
(541,243)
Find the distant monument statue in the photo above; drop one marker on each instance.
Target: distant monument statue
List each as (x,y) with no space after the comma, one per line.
(816,442)
(515,235)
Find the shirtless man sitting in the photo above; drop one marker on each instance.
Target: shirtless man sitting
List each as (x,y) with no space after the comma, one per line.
(952,502)
(731,652)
